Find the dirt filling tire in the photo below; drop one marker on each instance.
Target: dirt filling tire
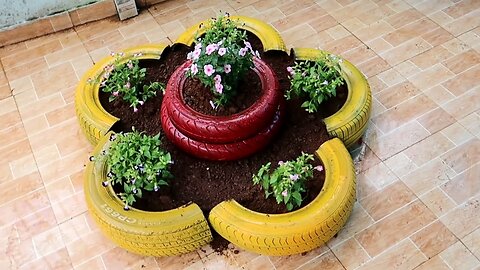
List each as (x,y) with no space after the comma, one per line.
(167,233)
(301,230)
(94,121)
(350,122)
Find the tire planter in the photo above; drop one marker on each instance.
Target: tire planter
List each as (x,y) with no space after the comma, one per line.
(94,121)
(270,38)
(166,233)
(350,122)
(185,229)
(222,137)
(297,231)
(213,129)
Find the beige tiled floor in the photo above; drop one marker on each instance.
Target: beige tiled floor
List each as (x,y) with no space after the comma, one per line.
(418,185)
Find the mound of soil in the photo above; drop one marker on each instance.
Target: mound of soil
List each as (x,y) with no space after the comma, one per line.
(208,183)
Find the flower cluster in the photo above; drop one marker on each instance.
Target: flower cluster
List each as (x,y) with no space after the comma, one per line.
(136,162)
(221,57)
(125,79)
(287,181)
(315,81)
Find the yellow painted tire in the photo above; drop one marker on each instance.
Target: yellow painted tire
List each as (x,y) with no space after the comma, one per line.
(301,230)
(94,120)
(269,37)
(166,233)
(350,122)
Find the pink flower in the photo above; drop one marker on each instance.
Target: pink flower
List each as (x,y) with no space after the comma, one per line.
(222,51)
(211,48)
(280,163)
(285,193)
(196,54)
(127,85)
(141,102)
(198,46)
(112,54)
(227,68)
(242,51)
(219,87)
(130,64)
(208,69)
(115,94)
(135,109)
(217,78)
(257,54)
(290,70)
(294,177)
(247,45)
(319,168)
(194,69)
(189,55)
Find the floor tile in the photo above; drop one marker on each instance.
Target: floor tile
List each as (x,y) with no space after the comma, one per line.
(464,218)
(327,261)
(351,254)
(438,201)
(464,185)
(463,156)
(434,263)
(388,200)
(433,239)
(429,149)
(391,230)
(403,256)
(429,176)
(459,257)
(472,242)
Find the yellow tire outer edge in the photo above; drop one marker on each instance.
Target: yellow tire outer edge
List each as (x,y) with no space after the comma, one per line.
(301,230)
(168,233)
(268,35)
(94,121)
(350,122)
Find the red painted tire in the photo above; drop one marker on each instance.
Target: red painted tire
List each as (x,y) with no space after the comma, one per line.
(223,129)
(222,151)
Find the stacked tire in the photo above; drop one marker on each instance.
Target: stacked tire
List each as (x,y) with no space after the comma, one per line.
(222,137)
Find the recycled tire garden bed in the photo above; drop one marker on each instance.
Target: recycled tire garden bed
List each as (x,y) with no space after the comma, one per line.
(185,228)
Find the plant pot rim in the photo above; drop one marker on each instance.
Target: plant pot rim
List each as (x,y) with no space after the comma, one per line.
(258,63)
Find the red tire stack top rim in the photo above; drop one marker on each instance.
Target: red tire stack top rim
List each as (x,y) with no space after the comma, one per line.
(223,129)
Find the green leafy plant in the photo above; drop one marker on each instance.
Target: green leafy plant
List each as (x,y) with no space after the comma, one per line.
(315,81)
(221,57)
(287,181)
(126,80)
(137,162)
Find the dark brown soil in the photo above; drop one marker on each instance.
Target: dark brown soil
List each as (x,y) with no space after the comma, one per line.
(207,183)
(198,97)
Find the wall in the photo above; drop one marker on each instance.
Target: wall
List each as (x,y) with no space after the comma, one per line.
(14,12)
